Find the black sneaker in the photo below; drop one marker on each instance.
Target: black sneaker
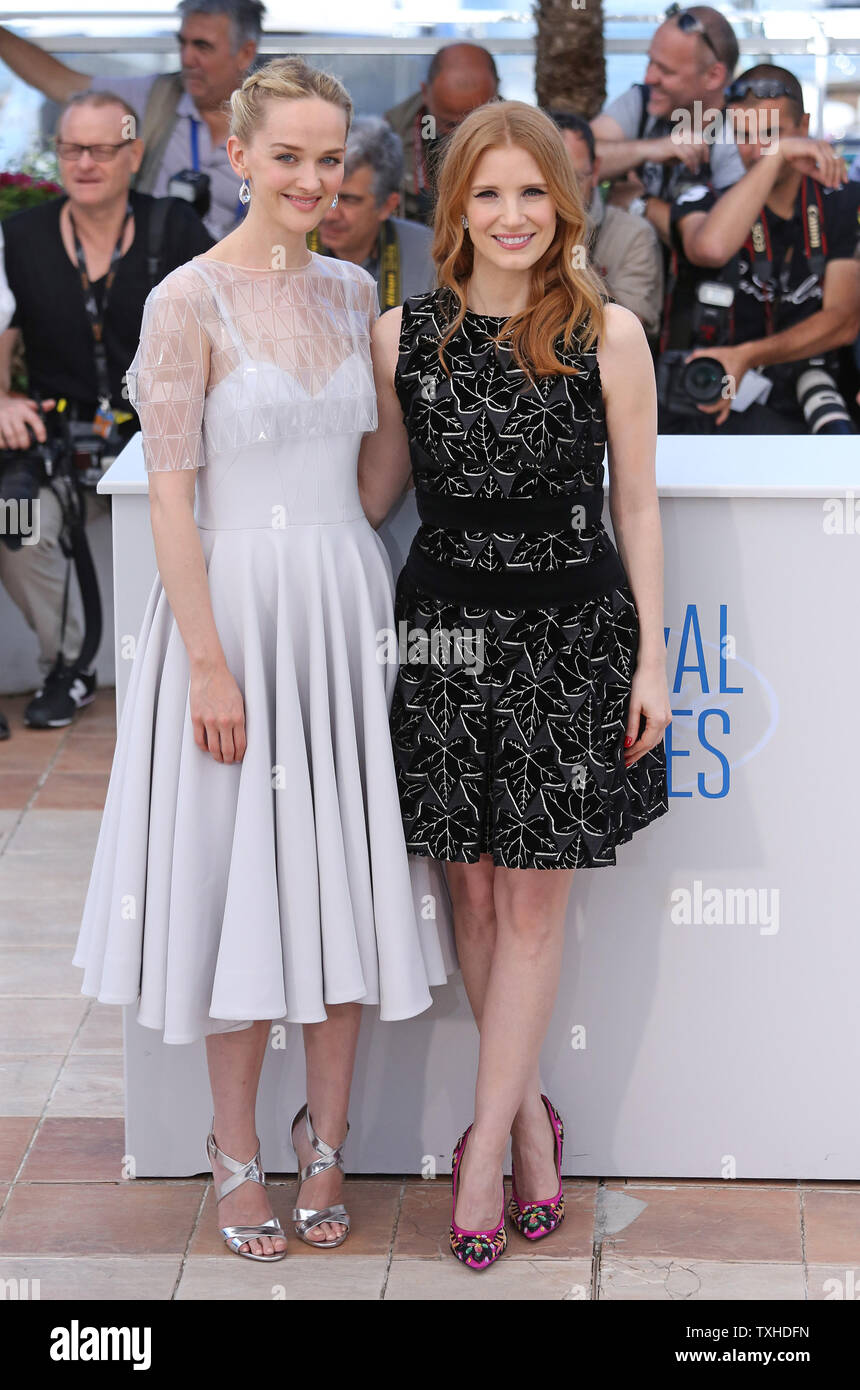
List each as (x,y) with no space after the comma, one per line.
(66,690)
(4,726)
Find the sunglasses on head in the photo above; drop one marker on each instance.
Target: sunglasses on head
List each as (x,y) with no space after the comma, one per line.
(691,24)
(767,88)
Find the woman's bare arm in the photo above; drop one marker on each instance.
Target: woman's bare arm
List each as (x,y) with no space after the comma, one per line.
(384,466)
(630,402)
(216,704)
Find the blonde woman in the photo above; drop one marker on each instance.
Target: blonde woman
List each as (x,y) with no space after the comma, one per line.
(251,863)
(497,391)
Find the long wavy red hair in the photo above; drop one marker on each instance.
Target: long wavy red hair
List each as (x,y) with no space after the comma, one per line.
(564,300)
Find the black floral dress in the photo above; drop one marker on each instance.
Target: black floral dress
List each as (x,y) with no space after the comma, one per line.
(518,631)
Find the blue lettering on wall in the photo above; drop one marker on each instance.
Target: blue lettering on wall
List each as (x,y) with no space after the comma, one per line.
(709,724)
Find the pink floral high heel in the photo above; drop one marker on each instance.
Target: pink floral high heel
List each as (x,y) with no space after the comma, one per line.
(477,1249)
(537,1219)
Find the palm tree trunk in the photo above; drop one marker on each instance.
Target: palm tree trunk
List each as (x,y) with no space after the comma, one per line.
(570,67)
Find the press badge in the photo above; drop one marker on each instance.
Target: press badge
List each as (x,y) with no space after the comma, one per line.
(103,420)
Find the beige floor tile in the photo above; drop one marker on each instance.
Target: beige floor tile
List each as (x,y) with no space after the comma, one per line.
(77,1149)
(101,1031)
(91,754)
(33,1026)
(330,1276)
(832,1226)
(15,1135)
(833,1282)
(38,922)
(670,1280)
(38,972)
(16,789)
(25,1083)
(704,1223)
(8,821)
(526,1280)
(72,790)
(125,1218)
(89,1084)
(50,833)
(32,878)
(138,1279)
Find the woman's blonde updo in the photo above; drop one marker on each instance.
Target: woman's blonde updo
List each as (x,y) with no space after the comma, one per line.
(287,79)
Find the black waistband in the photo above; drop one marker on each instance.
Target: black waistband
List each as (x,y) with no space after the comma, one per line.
(510,588)
(511,515)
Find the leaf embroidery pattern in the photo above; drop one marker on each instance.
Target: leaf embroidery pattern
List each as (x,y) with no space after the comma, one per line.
(520,756)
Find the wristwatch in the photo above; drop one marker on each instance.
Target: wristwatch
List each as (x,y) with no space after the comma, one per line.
(638,206)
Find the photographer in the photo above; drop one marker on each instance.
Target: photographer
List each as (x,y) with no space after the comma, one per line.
(185,125)
(80,268)
(784,293)
(641,140)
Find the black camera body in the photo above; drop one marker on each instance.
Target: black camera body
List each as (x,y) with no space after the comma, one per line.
(194,187)
(71,457)
(683,386)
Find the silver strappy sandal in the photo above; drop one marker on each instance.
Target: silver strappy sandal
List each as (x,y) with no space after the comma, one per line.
(237,1236)
(305,1218)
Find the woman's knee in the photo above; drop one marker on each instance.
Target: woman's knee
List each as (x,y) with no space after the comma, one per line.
(532,902)
(471,888)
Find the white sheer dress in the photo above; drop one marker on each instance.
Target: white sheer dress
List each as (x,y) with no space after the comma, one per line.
(267,888)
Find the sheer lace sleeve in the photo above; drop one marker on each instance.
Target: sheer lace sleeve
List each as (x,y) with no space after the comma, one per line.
(167,377)
(372,304)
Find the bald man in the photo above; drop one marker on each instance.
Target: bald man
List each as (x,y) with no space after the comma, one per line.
(461,76)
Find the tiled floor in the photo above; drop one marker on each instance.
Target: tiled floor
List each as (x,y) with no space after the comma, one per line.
(69,1220)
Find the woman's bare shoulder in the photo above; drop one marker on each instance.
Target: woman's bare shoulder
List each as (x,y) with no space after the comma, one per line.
(621,329)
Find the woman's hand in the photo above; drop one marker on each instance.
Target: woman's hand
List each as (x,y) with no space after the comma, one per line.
(649,696)
(218,713)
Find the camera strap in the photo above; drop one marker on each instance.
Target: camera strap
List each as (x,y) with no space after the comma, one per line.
(671,281)
(759,249)
(96,318)
(390,269)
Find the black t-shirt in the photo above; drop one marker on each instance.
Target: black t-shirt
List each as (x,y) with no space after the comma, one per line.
(799,291)
(50,312)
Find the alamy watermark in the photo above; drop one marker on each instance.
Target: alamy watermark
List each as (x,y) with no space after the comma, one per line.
(442,646)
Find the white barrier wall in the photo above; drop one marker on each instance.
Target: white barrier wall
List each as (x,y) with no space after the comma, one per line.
(706,1023)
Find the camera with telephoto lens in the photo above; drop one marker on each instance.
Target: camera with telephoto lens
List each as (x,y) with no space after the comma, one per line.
(819,398)
(683,386)
(194,187)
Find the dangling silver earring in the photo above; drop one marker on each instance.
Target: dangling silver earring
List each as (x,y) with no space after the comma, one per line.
(464,219)
(245,191)
(334,201)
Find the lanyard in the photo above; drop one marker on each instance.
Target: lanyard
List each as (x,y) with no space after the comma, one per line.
(759,249)
(388,255)
(195,162)
(97,319)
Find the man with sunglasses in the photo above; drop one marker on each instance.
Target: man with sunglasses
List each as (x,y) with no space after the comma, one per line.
(79,269)
(785,236)
(647,138)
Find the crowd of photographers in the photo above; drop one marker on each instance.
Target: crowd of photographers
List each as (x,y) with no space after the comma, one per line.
(712,215)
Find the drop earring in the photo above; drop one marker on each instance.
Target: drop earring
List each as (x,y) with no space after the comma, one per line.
(464,219)
(245,191)
(334,201)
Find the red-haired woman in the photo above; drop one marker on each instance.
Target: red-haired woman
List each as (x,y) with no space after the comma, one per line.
(497,391)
